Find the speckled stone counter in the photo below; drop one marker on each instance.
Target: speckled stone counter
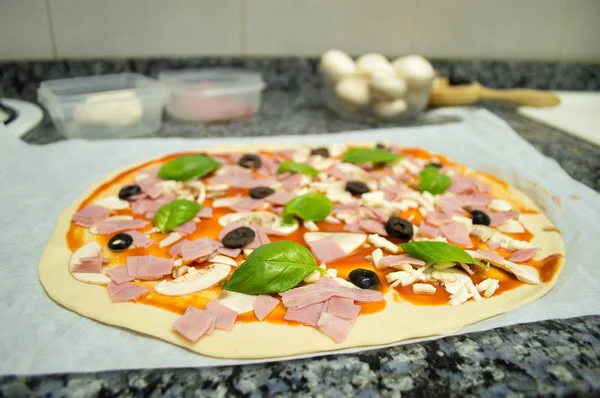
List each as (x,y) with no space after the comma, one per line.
(557,357)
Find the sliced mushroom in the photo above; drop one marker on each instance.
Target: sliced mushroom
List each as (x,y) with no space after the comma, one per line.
(524,273)
(487,234)
(170,239)
(223,260)
(94,231)
(91,249)
(194,281)
(239,302)
(266,219)
(112,203)
(348,241)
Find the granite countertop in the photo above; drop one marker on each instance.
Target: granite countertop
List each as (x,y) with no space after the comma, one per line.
(556,357)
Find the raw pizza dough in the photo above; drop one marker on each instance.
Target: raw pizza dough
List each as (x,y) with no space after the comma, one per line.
(398,321)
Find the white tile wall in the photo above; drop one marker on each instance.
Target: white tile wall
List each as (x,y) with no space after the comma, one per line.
(24,30)
(497,29)
(106,28)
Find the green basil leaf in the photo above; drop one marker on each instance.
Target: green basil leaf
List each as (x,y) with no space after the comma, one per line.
(433,181)
(436,252)
(188,167)
(368,155)
(308,207)
(175,213)
(296,167)
(273,268)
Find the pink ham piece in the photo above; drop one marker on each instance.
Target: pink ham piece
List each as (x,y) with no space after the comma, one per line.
(264,305)
(280,198)
(372,227)
(186,228)
(323,290)
(523,255)
(437,219)
(467,185)
(493,245)
(119,274)
(233,253)
(227,229)
(143,206)
(247,204)
(450,205)
(326,250)
(351,207)
(148,267)
(353,227)
(376,214)
(334,327)
(205,212)
(292,181)
(126,291)
(175,250)
(392,261)
(308,315)
(90,216)
(456,233)
(500,218)
(490,255)
(260,239)
(91,265)
(342,308)
(376,175)
(241,178)
(225,316)
(337,173)
(476,200)
(429,230)
(195,323)
(393,192)
(139,239)
(109,227)
(269,166)
(195,249)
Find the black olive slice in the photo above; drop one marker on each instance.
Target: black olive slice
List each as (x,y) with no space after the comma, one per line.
(399,228)
(120,242)
(480,217)
(436,165)
(261,192)
(357,187)
(128,191)
(238,238)
(250,161)
(364,278)
(324,152)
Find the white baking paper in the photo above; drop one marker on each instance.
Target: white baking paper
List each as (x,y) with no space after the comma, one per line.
(38,182)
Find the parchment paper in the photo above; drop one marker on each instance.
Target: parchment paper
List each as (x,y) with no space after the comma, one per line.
(38,182)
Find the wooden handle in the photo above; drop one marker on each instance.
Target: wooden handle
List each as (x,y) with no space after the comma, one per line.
(537,98)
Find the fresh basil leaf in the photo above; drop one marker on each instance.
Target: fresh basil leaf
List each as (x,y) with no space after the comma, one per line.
(175,213)
(369,155)
(296,167)
(437,252)
(308,207)
(188,167)
(433,181)
(273,268)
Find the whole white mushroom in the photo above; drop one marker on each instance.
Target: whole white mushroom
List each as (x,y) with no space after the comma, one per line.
(390,109)
(387,85)
(337,64)
(414,67)
(371,63)
(353,90)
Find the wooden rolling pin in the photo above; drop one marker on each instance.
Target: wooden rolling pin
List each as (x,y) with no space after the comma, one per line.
(444,94)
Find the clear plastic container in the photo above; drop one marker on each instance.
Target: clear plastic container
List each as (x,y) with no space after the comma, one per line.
(212,95)
(110,106)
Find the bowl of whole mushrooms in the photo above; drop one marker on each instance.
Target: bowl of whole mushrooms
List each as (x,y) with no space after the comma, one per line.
(373,89)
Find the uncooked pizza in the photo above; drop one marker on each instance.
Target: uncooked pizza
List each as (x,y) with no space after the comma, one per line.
(254,252)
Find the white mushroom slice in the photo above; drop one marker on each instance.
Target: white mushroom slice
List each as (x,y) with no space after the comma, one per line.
(199,185)
(223,260)
(376,257)
(112,203)
(524,273)
(382,243)
(348,218)
(225,202)
(489,235)
(170,239)
(194,281)
(320,163)
(423,288)
(511,227)
(311,226)
(94,231)
(91,249)
(239,302)
(217,187)
(169,185)
(266,219)
(348,241)
(500,205)
(180,271)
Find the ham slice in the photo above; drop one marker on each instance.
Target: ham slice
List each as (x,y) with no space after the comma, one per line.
(143,206)
(198,248)
(372,226)
(523,255)
(429,230)
(308,315)
(351,207)
(497,219)
(247,204)
(456,233)
(225,316)
(119,274)
(195,323)
(450,205)
(392,261)
(139,239)
(241,178)
(476,200)
(376,214)
(326,250)
(292,181)
(264,305)
(342,308)
(490,255)
(91,265)
(334,327)
(394,192)
(91,215)
(109,227)
(437,219)
(126,291)
(323,290)
(205,212)
(186,228)
(467,185)
(353,227)
(233,253)
(260,239)
(175,250)
(280,198)
(148,267)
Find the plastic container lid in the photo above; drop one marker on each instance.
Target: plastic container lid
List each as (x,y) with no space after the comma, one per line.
(219,81)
